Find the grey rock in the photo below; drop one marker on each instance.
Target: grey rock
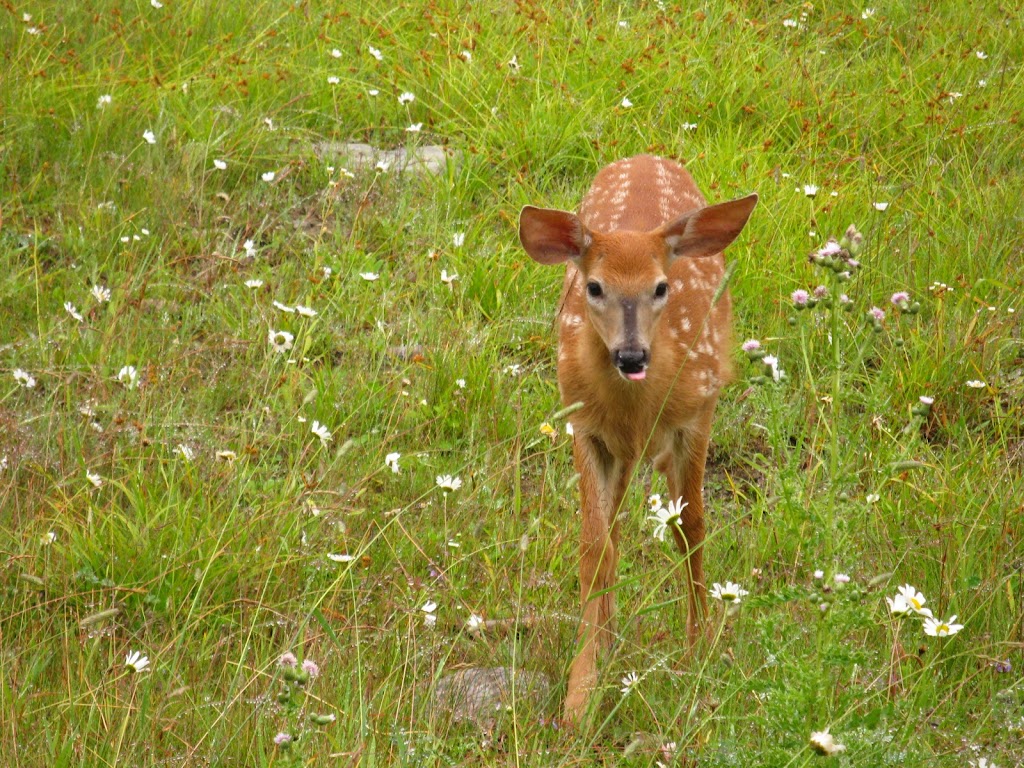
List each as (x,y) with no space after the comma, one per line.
(478,694)
(430,158)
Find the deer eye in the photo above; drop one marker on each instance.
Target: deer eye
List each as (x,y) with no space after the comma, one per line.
(594,290)
(661,291)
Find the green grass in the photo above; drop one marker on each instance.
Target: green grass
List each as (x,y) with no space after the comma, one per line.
(214,568)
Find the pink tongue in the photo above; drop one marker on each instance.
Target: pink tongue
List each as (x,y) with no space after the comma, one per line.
(640,376)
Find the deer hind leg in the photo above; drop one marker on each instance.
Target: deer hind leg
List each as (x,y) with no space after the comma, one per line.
(603,481)
(683,467)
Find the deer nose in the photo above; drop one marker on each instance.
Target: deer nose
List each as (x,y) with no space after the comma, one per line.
(632,363)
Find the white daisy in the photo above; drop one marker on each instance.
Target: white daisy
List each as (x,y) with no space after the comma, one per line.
(823,743)
(128,376)
(938,628)
(322,432)
(729,593)
(137,661)
(281,341)
(448,483)
(24,378)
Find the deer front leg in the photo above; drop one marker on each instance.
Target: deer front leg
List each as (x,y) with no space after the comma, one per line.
(684,470)
(603,482)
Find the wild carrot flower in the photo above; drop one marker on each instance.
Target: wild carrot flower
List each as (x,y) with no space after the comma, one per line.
(100,293)
(474,623)
(391,462)
(220,165)
(406,98)
(73,311)
(149,137)
(810,190)
(976,384)
(458,239)
(369,276)
(375,52)
(94,478)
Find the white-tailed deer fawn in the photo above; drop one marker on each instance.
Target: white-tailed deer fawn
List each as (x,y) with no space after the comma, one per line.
(645,346)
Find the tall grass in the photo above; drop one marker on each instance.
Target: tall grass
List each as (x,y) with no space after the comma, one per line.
(213,565)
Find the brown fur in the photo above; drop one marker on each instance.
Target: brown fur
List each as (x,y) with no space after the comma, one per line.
(643,223)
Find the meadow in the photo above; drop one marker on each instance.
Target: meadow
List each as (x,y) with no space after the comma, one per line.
(236,367)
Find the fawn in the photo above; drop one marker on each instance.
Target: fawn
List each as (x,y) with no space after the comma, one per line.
(645,346)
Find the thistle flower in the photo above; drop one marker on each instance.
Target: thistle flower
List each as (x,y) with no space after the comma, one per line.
(287,659)
(311,668)
(800,298)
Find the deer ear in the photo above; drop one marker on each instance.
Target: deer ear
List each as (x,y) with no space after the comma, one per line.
(550,236)
(707,231)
